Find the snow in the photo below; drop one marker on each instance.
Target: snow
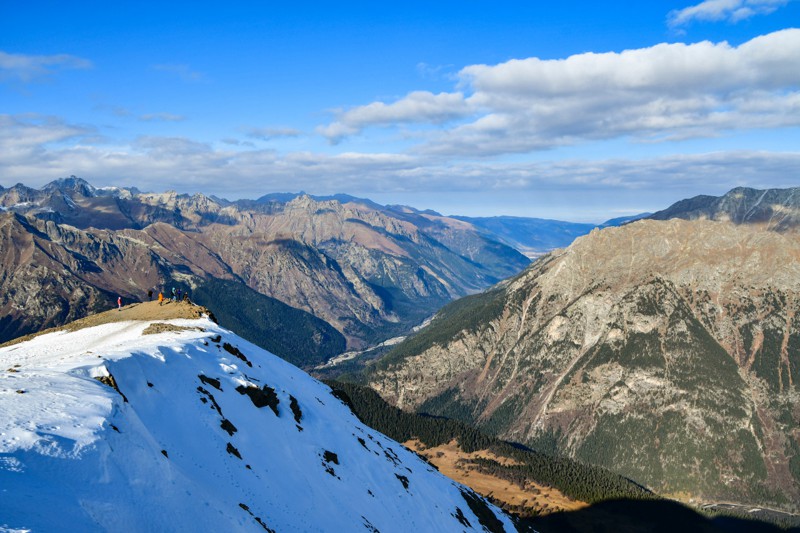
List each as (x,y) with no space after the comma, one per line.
(68,200)
(75,456)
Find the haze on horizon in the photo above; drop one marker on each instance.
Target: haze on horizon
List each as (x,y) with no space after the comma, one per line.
(576,111)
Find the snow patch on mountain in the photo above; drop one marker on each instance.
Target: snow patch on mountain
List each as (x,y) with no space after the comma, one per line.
(192,428)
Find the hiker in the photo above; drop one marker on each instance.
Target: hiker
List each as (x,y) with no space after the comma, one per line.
(173,294)
(186,296)
(179,296)
(160,298)
(119,303)
(150,295)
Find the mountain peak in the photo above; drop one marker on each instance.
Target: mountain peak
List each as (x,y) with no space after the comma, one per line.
(305,201)
(71,184)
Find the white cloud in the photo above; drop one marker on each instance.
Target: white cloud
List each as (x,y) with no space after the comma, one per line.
(25,139)
(35,150)
(673,70)
(664,92)
(27,68)
(667,91)
(266,134)
(728,10)
(416,107)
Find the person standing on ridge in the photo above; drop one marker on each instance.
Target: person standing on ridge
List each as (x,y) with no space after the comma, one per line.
(160,298)
(119,303)
(150,295)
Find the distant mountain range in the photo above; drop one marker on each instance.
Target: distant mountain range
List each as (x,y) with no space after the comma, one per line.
(665,350)
(537,236)
(775,209)
(531,236)
(365,272)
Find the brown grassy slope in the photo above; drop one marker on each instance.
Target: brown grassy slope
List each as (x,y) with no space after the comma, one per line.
(532,499)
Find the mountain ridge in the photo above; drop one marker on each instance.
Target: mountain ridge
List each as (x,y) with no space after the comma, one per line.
(172,423)
(592,346)
(778,209)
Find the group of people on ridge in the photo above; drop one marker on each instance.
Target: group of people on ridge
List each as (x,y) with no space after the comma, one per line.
(176,296)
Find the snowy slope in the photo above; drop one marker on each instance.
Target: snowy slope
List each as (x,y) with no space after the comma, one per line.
(184,450)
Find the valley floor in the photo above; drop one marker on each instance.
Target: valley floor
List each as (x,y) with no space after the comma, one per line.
(529,499)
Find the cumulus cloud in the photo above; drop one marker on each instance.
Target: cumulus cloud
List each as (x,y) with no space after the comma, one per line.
(727,10)
(673,70)
(27,68)
(663,92)
(416,107)
(667,91)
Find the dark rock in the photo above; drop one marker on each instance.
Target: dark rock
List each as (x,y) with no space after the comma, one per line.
(228,426)
(262,397)
(330,457)
(231,449)
(233,350)
(403,480)
(295,407)
(210,381)
(111,382)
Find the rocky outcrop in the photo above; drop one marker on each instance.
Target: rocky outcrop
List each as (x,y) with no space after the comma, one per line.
(664,350)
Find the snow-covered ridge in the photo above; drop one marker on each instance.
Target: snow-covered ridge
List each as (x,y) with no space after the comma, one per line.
(204,432)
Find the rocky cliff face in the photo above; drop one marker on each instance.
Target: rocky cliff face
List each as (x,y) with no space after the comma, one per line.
(665,350)
(52,274)
(370,271)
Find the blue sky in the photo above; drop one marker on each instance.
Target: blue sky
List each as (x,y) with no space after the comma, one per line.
(573,110)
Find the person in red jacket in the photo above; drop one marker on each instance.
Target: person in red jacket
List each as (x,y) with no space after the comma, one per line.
(119,303)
